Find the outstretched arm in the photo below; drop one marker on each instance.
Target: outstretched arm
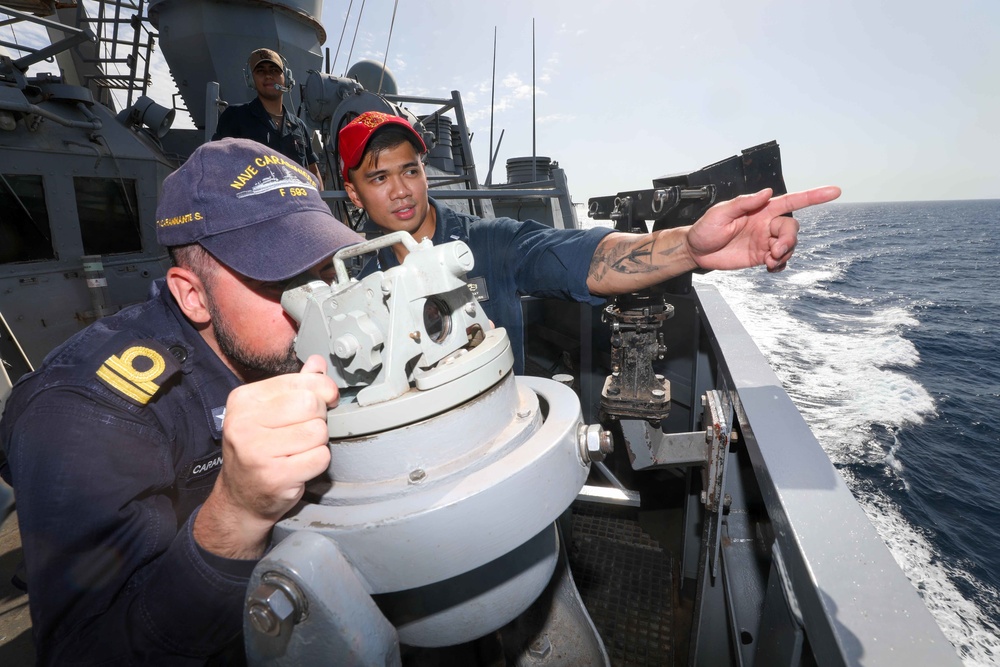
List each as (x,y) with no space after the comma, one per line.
(749,230)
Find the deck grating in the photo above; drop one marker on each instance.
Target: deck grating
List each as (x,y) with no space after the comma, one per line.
(624,577)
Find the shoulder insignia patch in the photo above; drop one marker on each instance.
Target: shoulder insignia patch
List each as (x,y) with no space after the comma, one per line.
(138,372)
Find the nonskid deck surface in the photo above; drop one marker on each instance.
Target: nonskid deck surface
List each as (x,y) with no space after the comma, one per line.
(624,577)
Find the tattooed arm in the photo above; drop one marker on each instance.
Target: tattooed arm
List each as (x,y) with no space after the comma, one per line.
(746,231)
(626,263)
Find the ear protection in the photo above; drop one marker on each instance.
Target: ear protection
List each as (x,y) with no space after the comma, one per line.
(289,77)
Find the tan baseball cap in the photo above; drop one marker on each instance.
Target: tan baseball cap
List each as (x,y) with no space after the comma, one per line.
(259,56)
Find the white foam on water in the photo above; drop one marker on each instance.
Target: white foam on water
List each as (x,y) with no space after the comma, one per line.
(893,461)
(846,378)
(843,377)
(973,634)
(812,277)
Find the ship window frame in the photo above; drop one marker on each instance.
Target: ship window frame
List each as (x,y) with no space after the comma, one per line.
(109,215)
(25,226)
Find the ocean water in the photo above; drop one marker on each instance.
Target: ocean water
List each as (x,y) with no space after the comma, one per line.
(885,331)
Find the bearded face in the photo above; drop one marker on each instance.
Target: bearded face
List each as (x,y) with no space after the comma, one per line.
(255,365)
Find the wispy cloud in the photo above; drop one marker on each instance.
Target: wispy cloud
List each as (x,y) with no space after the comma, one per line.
(566,29)
(556,118)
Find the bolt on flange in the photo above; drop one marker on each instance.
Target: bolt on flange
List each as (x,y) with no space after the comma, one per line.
(275,605)
(595,443)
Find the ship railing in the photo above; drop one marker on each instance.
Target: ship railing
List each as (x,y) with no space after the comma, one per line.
(832,593)
(123,38)
(118,36)
(73,37)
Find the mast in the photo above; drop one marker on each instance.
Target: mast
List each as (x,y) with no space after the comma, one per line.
(534,152)
(493,90)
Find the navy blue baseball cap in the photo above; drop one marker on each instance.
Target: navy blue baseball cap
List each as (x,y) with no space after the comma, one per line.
(256,211)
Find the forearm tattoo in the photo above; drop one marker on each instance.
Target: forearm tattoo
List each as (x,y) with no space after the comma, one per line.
(629,258)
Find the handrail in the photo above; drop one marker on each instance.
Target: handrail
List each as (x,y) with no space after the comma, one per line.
(856,604)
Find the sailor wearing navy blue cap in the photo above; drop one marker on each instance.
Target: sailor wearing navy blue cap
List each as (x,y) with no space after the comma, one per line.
(152,452)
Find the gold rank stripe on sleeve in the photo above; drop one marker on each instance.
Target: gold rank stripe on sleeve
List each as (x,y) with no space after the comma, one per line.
(132,373)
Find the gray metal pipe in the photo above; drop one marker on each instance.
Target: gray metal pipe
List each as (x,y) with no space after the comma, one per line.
(26,107)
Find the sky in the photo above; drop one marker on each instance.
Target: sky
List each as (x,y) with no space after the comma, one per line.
(892,100)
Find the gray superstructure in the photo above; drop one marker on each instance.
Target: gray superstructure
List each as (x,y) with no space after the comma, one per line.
(77,194)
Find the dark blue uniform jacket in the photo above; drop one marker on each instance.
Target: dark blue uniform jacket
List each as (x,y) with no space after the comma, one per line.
(112,446)
(251,121)
(514,258)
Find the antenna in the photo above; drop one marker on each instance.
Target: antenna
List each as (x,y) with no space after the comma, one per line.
(329,68)
(534,168)
(355,38)
(493,157)
(493,90)
(395,5)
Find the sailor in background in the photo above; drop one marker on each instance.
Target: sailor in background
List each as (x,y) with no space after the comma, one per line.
(381,162)
(139,542)
(266,120)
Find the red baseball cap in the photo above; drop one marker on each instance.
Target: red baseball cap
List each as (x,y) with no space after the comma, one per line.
(353,138)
